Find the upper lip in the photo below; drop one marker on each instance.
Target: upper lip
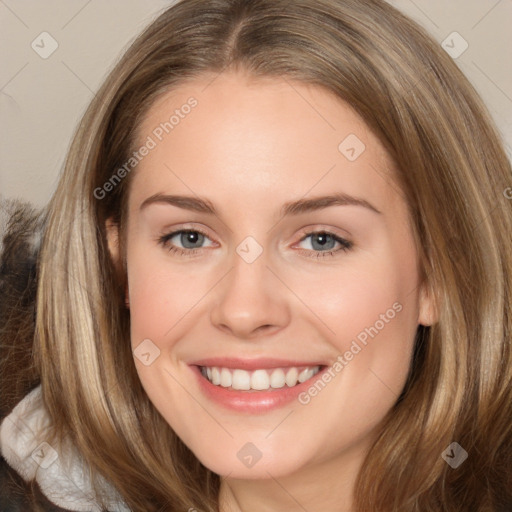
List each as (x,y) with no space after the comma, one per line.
(253,364)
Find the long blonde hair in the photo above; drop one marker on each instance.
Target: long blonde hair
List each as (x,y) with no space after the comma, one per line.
(454,173)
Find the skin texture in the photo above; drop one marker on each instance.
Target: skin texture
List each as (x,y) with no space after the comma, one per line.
(249,146)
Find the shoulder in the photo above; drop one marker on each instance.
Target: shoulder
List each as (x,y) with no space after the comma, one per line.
(19,430)
(20,229)
(16,495)
(33,475)
(56,475)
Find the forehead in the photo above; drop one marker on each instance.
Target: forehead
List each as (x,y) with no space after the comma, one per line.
(259,137)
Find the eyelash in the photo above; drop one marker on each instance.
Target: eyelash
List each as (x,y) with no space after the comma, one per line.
(345,245)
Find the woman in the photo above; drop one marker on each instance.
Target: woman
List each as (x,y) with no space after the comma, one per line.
(264,368)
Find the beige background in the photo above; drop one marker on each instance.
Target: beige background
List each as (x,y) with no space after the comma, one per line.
(42,100)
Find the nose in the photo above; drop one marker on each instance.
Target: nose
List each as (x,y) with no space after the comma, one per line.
(250,300)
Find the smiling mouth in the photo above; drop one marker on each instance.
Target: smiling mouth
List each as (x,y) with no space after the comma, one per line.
(264,379)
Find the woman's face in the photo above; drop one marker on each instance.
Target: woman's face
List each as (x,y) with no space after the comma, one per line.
(300,259)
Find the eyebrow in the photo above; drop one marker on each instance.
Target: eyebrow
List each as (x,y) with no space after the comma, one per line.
(298,207)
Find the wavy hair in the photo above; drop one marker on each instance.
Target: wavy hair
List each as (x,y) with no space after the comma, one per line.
(450,166)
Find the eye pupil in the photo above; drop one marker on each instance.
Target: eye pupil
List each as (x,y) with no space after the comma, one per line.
(191,237)
(323,239)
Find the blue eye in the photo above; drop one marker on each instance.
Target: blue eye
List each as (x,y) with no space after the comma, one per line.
(191,240)
(322,243)
(186,237)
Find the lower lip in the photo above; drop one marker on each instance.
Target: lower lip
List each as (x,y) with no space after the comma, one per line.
(252,401)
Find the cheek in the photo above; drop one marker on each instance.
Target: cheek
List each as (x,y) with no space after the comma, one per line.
(369,316)
(378,292)
(162,301)
(160,295)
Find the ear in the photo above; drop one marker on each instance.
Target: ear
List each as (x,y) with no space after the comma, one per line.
(112,232)
(428,307)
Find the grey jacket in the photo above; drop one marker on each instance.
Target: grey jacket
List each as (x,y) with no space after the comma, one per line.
(34,476)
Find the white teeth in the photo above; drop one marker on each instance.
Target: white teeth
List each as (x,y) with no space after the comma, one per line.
(259,379)
(241,380)
(225,378)
(291,377)
(277,379)
(215,376)
(305,374)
